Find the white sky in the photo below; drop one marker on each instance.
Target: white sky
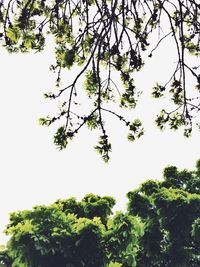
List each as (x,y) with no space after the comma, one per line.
(34,172)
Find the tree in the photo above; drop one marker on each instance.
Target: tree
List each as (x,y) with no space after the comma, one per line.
(102,37)
(161,228)
(73,234)
(170,211)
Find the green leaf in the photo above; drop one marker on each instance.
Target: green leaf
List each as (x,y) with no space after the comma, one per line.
(13,33)
(61,138)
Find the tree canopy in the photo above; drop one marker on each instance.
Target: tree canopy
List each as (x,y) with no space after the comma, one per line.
(102,39)
(160,228)
(69,233)
(170,211)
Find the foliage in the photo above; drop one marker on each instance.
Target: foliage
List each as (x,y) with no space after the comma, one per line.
(170,211)
(161,228)
(71,233)
(101,38)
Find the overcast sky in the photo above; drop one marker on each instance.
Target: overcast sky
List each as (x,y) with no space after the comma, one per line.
(34,172)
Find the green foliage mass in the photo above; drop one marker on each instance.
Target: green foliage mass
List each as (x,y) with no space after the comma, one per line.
(161,228)
(72,233)
(106,43)
(170,211)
